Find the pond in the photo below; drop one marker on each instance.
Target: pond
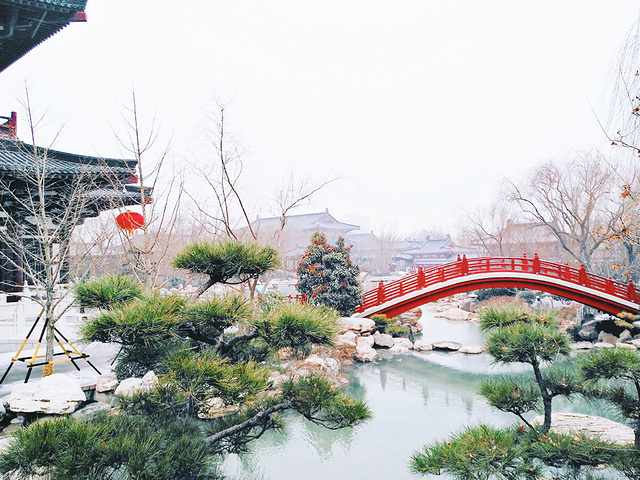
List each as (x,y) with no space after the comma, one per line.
(415,399)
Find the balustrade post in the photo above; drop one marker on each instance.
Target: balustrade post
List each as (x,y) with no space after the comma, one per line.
(525,262)
(582,275)
(401,290)
(380,292)
(464,265)
(608,286)
(421,279)
(631,291)
(536,263)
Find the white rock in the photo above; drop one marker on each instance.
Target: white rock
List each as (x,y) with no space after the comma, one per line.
(383,340)
(129,386)
(471,349)
(399,349)
(368,341)
(360,325)
(403,342)
(604,428)
(4,444)
(452,346)
(457,314)
(54,394)
(603,345)
(626,345)
(365,353)
(315,360)
(150,379)
(422,346)
(346,340)
(635,342)
(106,382)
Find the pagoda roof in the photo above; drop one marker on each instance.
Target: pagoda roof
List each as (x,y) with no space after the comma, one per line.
(431,246)
(16,156)
(27,23)
(322,221)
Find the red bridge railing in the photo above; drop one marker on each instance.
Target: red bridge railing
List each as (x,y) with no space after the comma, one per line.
(423,278)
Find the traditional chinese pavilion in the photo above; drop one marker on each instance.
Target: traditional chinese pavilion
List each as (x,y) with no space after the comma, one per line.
(297,232)
(32,176)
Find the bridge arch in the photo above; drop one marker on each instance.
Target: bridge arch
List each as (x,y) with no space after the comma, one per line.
(465,275)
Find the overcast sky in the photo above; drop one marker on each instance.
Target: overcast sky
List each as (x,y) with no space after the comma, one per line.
(420,106)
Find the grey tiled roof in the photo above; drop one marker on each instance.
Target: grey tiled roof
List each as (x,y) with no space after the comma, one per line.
(18,157)
(308,221)
(27,23)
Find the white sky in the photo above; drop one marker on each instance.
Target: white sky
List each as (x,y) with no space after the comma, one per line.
(422,106)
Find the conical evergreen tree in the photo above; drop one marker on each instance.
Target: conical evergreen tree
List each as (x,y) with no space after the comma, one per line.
(327,276)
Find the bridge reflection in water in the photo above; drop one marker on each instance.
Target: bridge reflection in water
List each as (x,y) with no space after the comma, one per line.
(463,275)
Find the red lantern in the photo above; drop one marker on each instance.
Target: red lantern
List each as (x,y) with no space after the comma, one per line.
(130,221)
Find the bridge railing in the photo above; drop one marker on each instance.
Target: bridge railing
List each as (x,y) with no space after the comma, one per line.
(423,278)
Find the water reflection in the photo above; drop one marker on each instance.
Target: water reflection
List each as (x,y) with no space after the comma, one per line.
(415,399)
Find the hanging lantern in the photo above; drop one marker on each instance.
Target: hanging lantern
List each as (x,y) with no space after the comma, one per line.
(130,221)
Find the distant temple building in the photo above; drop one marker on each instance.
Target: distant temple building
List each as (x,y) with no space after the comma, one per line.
(293,239)
(431,252)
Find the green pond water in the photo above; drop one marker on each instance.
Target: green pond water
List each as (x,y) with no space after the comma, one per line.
(415,399)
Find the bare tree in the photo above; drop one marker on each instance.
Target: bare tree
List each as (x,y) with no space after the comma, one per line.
(44,196)
(222,176)
(146,254)
(573,200)
(623,125)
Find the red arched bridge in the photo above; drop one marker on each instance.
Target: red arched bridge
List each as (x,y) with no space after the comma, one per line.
(463,275)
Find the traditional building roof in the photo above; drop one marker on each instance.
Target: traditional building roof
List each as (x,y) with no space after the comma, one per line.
(311,222)
(26,23)
(106,182)
(18,156)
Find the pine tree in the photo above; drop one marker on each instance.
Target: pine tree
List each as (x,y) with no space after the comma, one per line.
(327,276)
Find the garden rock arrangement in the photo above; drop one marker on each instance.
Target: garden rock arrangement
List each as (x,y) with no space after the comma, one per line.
(606,331)
(360,339)
(55,394)
(603,428)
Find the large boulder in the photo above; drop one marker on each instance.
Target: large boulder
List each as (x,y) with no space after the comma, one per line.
(360,325)
(450,346)
(471,349)
(607,338)
(399,349)
(132,385)
(54,394)
(347,339)
(366,341)
(106,382)
(605,429)
(422,346)
(383,340)
(403,342)
(457,314)
(588,332)
(365,353)
(129,387)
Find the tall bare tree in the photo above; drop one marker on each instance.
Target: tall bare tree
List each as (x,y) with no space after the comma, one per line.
(44,196)
(229,214)
(574,200)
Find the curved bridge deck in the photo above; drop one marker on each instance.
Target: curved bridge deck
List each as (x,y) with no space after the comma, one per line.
(463,275)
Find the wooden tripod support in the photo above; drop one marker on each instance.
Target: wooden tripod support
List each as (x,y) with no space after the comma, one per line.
(69,352)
